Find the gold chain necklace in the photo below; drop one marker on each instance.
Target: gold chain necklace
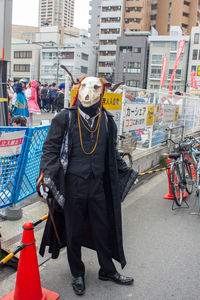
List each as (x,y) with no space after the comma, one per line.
(97,127)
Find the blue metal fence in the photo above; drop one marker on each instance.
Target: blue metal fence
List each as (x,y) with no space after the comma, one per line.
(18,172)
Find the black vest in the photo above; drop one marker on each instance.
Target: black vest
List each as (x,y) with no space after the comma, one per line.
(84,165)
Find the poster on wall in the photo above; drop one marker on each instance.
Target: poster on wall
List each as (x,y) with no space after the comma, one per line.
(138,116)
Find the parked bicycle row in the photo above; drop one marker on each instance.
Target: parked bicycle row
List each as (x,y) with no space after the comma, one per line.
(184,168)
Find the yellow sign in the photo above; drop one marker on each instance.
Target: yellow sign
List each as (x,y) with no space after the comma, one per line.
(3,99)
(176,114)
(111,101)
(150,115)
(73,95)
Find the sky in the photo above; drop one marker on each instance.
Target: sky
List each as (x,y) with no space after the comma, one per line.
(25,12)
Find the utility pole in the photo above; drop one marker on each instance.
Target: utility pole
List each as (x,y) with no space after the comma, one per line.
(5,49)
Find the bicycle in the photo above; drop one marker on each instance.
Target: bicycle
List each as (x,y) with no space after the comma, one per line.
(194,158)
(180,175)
(126,145)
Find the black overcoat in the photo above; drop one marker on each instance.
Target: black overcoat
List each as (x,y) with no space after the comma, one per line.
(118,180)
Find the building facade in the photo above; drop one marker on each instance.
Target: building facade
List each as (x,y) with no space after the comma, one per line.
(56,13)
(77,54)
(25,60)
(132,59)
(110,29)
(136,15)
(94,20)
(194,57)
(160,46)
(183,13)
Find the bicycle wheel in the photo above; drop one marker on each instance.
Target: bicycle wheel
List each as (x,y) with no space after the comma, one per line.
(128,159)
(189,183)
(176,185)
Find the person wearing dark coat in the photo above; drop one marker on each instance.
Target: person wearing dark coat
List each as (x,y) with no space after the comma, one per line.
(87,180)
(44,92)
(60,97)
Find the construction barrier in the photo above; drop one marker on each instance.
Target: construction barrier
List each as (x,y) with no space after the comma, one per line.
(20,153)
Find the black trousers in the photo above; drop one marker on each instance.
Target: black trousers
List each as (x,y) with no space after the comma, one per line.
(87,198)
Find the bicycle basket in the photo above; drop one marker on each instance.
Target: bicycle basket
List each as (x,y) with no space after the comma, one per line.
(128,144)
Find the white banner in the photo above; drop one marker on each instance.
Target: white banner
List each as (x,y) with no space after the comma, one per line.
(11,143)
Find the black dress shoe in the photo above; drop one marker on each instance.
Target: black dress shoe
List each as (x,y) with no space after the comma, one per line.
(117,278)
(78,285)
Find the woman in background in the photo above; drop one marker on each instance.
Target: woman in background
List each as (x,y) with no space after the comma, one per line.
(31,95)
(20,106)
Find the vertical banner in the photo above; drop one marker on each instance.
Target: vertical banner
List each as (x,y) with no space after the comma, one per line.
(193,84)
(164,63)
(192,80)
(179,52)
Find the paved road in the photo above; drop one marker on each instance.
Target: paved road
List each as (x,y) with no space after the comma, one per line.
(162,249)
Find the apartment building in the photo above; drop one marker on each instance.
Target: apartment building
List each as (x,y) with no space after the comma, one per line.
(132,59)
(94,20)
(56,13)
(160,46)
(110,29)
(194,58)
(136,15)
(77,54)
(183,13)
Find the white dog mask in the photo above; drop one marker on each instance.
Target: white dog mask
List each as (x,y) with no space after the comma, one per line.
(90,91)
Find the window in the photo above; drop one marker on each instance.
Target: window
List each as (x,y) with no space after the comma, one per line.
(168,27)
(169,17)
(196,38)
(185,15)
(22,54)
(67,55)
(125,49)
(170,5)
(177,75)
(84,56)
(174,46)
(137,50)
(156,72)
(21,68)
(156,59)
(193,68)
(134,67)
(186,3)
(84,70)
(124,67)
(195,54)
(49,55)
(134,83)
(173,57)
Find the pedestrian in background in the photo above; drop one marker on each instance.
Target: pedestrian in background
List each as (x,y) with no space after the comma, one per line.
(44,92)
(20,106)
(51,96)
(31,94)
(59,100)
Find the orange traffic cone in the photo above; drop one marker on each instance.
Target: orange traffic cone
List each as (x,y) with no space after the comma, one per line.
(28,286)
(169,195)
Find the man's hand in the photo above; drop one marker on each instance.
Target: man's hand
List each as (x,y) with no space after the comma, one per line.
(41,187)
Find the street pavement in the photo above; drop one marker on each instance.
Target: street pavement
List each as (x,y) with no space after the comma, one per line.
(162,249)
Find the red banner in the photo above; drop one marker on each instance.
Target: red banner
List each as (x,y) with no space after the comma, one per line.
(193,84)
(164,64)
(179,52)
